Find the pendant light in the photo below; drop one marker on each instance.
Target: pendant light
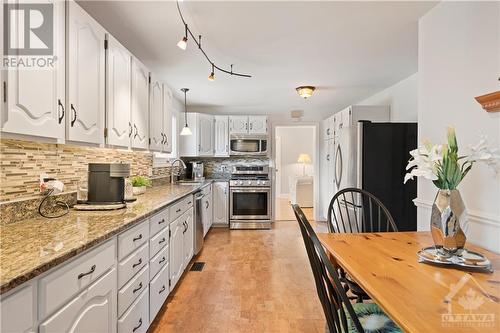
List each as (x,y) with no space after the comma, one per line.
(185,130)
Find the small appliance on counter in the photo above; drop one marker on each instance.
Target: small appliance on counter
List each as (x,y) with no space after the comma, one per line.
(106,186)
(194,171)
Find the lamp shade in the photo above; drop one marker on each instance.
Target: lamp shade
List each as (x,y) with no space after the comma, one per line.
(304,158)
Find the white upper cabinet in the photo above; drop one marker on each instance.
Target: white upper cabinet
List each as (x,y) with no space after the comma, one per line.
(247,125)
(140,105)
(206,135)
(156,114)
(34,103)
(221,136)
(168,106)
(238,124)
(119,85)
(257,124)
(86,85)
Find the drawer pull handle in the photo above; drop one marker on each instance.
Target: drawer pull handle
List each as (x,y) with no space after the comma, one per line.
(137,327)
(162,240)
(162,221)
(138,288)
(92,269)
(137,238)
(190,202)
(162,289)
(162,260)
(178,210)
(137,263)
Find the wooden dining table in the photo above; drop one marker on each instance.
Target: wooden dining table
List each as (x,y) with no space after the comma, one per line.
(419,297)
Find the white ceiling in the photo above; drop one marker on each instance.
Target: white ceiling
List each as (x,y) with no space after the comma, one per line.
(349,50)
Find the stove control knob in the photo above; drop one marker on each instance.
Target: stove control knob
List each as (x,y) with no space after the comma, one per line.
(249,182)
(241,182)
(258,182)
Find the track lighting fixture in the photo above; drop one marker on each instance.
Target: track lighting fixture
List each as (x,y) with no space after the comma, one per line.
(183,42)
(183,45)
(211,77)
(185,130)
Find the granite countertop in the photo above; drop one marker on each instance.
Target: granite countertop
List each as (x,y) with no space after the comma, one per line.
(33,246)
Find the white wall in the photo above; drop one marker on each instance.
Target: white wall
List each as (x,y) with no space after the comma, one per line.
(401,97)
(459,58)
(294,141)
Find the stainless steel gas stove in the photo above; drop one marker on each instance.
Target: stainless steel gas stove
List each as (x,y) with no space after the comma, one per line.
(250,197)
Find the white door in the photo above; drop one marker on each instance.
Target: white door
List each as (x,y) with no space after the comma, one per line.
(156,114)
(188,236)
(140,105)
(238,124)
(257,124)
(119,89)
(35,99)
(220,200)
(86,59)
(206,135)
(167,119)
(93,310)
(221,142)
(176,249)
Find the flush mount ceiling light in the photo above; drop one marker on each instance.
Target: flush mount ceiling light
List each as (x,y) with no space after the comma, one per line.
(185,130)
(305,91)
(182,44)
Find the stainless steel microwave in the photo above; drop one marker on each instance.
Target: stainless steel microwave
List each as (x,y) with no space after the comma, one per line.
(248,145)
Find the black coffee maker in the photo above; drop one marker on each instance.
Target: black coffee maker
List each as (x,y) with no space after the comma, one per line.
(106,183)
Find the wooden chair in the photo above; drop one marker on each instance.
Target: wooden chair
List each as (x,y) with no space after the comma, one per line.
(341,315)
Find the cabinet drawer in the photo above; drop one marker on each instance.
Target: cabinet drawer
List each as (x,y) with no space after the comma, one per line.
(178,208)
(158,222)
(17,311)
(158,292)
(132,289)
(132,239)
(158,242)
(158,261)
(57,287)
(129,266)
(93,310)
(136,318)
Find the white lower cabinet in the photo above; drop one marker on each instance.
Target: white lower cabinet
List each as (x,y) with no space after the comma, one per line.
(18,311)
(188,237)
(158,292)
(220,203)
(131,265)
(136,318)
(176,251)
(158,262)
(93,310)
(129,292)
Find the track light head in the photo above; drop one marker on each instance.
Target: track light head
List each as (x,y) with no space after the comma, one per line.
(211,77)
(183,43)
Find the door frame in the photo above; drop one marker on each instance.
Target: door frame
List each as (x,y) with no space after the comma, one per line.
(316,161)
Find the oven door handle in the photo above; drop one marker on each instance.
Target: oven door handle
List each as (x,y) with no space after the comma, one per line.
(250,189)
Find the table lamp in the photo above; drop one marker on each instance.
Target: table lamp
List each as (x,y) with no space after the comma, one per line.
(304,159)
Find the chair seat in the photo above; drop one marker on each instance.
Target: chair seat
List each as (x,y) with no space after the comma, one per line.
(373,319)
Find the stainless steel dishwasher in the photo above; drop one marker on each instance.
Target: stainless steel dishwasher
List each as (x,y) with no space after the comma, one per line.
(198,221)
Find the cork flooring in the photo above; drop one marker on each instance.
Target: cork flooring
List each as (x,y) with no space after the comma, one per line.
(253,281)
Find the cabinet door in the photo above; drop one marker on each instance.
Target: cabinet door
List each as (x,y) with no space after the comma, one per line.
(119,89)
(257,124)
(167,119)
(156,114)
(221,136)
(93,310)
(18,310)
(86,59)
(188,236)
(176,251)
(220,203)
(238,124)
(206,135)
(140,105)
(35,99)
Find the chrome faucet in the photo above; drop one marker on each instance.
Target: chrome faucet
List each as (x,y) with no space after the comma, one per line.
(172,175)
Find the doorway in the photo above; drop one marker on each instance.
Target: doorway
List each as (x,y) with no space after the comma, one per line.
(296,170)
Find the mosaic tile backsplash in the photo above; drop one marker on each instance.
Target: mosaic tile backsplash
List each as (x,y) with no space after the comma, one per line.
(220,168)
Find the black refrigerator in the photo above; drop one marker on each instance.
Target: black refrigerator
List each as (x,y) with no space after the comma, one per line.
(383,150)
